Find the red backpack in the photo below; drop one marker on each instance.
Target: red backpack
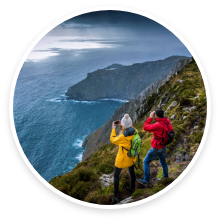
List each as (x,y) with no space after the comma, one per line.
(167,137)
(164,134)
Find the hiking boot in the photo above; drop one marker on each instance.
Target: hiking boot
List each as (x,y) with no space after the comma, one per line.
(143,182)
(131,190)
(115,199)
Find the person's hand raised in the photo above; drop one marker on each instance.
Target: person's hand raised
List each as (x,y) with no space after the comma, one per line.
(113,125)
(152,114)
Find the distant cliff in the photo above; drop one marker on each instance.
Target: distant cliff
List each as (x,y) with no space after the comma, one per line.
(121,82)
(182,95)
(134,108)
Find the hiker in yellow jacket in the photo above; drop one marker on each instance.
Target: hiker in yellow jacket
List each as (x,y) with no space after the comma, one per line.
(122,159)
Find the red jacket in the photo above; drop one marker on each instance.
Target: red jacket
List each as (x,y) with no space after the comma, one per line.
(157,130)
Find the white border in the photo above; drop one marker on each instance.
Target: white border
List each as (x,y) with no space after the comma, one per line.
(79,201)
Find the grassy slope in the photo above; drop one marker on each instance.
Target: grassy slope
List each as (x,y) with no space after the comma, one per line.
(83,181)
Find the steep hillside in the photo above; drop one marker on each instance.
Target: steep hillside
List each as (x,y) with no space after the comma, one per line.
(117,81)
(183,97)
(135,108)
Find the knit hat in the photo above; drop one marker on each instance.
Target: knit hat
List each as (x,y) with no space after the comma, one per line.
(126,121)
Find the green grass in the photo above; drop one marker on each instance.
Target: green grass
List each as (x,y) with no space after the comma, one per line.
(83,181)
(161,184)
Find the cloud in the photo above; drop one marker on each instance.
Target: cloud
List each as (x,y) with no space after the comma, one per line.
(109,19)
(75,25)
(109,29)
(52,45)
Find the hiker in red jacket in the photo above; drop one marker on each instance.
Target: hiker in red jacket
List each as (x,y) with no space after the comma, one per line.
(160,131)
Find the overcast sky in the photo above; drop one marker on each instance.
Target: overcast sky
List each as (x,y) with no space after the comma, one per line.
(109,29)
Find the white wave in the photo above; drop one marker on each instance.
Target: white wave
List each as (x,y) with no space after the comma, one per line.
(79,157)
(56,100)
(78,143)
(85,102)
(63,95)
(113,99)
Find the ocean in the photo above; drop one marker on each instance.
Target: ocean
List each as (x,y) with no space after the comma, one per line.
(51,131)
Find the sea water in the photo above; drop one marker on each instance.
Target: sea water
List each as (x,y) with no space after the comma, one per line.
(50,128)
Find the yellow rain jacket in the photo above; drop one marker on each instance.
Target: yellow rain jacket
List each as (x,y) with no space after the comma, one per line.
(123,140)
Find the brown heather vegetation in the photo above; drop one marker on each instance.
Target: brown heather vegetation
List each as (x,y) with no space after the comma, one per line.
(83,181)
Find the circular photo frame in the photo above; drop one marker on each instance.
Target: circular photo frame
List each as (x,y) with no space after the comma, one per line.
(25,57)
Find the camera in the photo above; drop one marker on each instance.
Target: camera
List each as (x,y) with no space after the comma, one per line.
(117,121)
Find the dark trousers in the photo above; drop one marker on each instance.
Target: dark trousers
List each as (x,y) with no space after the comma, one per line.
(117,172)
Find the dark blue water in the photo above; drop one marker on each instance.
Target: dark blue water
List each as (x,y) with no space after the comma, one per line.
(51,131)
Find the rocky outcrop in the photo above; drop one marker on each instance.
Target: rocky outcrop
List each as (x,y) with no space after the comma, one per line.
(173,117)
(127,200)
(91,180)
(106,180)
(182,157)
(121,82)
(135,108)
(173,104)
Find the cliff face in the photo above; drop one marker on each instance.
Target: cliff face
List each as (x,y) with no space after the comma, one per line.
(182,94)
(135,108)
(121,82)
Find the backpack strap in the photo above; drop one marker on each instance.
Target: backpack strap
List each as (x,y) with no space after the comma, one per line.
(132,160)
(163,131)
(135,166)
(124,148)
(164,124)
